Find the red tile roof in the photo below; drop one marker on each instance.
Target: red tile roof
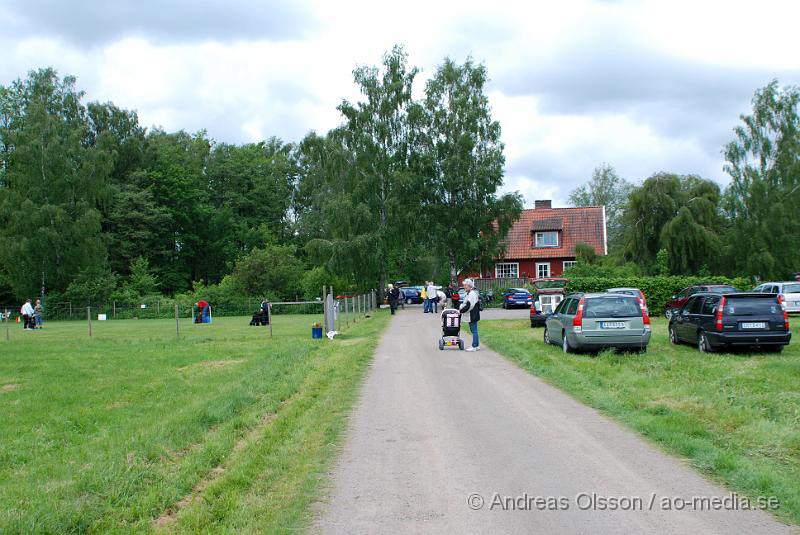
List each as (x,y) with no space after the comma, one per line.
(575,225)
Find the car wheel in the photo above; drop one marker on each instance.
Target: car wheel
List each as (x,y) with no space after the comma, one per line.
(408,301)
(461,345)
(547,336)
(673,336)
(565,344)
(703,345)
(668,313)
(441,344)
(773,349)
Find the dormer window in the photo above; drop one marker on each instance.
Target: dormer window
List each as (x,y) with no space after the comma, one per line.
(547,239)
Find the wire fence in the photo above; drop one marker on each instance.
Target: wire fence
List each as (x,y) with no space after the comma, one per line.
(163,309)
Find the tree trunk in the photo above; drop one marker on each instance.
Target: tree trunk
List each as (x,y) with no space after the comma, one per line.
(451,258)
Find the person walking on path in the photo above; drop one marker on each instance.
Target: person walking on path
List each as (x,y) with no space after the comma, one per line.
(424,295)
(431,291)
(394,295)
(37,314)
(441,297)
(27,315)
(471,305)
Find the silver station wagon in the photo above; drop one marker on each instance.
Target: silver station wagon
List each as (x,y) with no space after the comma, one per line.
(598,321)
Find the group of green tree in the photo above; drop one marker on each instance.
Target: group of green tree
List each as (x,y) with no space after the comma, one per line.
(93,206)
(672,224)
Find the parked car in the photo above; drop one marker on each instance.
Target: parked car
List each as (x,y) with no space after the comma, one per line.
(635,292)
(788,290)
(517,297)
(678,300)
(746,319)
(411,295)
(598,321)
(547,294)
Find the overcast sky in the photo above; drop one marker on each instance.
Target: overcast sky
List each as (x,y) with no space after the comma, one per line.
(643,86)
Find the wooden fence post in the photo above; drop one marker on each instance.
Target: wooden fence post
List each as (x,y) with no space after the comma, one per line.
(8,318)
(89,318)
(269,318)
(177,325)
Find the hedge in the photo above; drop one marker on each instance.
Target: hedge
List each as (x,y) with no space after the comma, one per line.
(657,290)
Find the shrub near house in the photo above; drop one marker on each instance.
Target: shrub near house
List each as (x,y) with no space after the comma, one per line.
(657,290)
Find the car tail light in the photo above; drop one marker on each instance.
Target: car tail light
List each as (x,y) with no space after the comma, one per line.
(577,321)
(645,318)
(782,301)
(718,322)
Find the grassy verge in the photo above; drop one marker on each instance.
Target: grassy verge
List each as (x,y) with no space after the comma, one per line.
(735,417)
(109,434)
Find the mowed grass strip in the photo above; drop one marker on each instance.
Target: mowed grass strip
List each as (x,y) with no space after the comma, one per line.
(108,434)
(736,417)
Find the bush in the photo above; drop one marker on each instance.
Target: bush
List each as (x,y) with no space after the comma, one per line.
(657,290)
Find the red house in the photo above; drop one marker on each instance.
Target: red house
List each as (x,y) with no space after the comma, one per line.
(542,242)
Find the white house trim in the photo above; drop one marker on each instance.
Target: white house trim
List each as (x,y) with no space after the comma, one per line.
(605,232)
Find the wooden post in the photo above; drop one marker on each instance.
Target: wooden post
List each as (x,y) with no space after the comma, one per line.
(70,310)
(115,309)
(89,318)
(269,318)
(177,324)
(8,318)
(158,309)
(346,312)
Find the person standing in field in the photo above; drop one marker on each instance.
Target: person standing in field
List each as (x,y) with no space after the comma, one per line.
(471,305)
(37,314)
(27,315)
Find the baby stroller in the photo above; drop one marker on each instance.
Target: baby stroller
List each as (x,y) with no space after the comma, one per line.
(451,328)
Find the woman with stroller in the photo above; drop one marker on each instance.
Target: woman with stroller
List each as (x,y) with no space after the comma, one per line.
(471,304)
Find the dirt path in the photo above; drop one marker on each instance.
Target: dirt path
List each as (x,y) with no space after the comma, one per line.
(435,429)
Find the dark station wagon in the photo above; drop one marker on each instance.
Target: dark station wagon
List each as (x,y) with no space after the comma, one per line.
(714,321)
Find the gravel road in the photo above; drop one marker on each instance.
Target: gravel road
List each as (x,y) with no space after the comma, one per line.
(462,443)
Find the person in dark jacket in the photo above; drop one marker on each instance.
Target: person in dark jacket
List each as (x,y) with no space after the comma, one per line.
(471,305)
(394,296)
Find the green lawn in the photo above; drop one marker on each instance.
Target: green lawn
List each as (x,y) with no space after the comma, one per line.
(108,434)
(736,417)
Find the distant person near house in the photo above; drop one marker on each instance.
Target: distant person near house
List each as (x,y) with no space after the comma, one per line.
(441,299)
(27,315)
(430,290)
(471,305)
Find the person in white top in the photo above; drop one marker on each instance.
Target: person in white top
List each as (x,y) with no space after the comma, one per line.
(430,292)
(471,304)
(27,315)
(441,297)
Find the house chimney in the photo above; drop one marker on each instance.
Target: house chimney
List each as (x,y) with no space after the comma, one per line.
(538,205)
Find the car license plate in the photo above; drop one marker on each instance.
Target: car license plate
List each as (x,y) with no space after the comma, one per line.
(612,324)
(754,325)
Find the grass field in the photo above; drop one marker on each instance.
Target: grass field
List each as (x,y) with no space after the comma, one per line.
(133,431)
(735,417)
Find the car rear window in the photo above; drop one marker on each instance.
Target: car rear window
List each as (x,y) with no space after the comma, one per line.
(612,307)
(791,288)
(722,289)
(751,306)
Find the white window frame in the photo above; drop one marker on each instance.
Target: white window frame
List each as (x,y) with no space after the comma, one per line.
(568,264)
(538,271)
(515,269)
(542,233)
